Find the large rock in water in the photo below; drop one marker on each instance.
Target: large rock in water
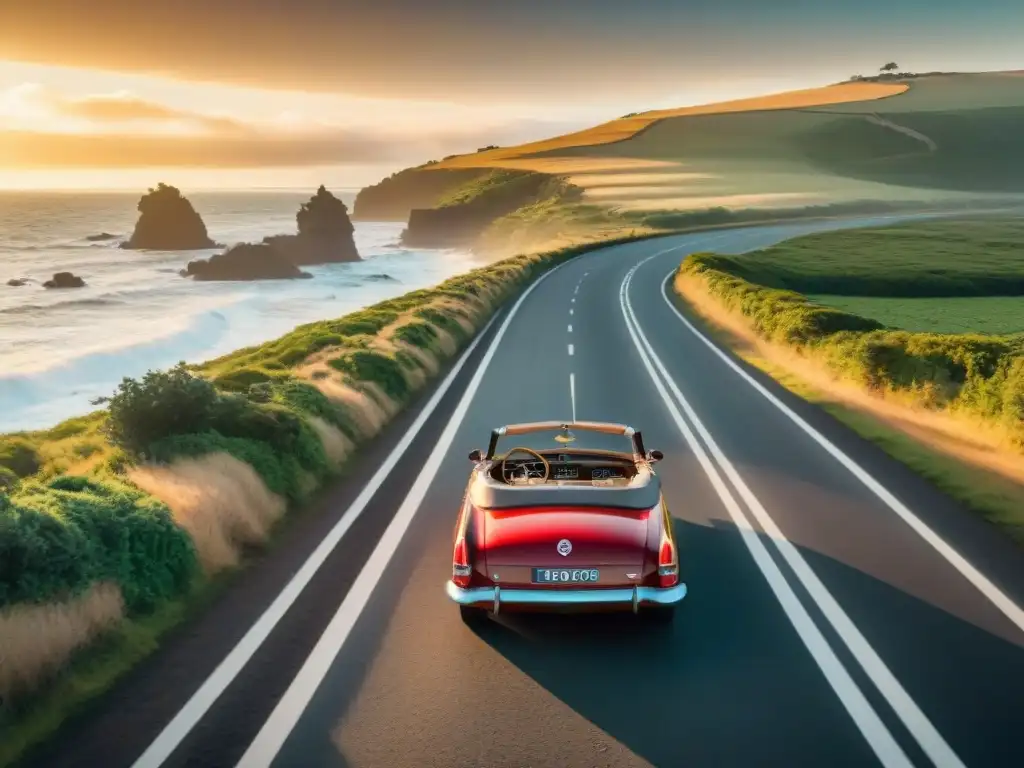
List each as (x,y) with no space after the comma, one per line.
(246,261)
(64,280)
(168,222)
(325,233)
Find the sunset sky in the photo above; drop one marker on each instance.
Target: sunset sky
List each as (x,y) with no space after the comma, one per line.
(266,93)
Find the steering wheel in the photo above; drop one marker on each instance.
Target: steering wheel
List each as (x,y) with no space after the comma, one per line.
(529,473)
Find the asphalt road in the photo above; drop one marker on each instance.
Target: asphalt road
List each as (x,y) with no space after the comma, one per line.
(840,610)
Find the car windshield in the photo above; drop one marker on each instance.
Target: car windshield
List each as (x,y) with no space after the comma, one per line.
(565,440)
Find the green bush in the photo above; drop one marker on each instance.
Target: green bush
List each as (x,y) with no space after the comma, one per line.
(19,456)
(279,471)
(372,366)
(240,379)
(419,334)
(163,403)
(308,399)
(59,538)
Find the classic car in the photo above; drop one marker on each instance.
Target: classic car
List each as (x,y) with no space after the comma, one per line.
(570,517)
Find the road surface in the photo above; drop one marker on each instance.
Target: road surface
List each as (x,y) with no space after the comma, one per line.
(841,612)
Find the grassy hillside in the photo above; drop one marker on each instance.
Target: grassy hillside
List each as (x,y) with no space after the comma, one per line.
(925,316)
(934,140)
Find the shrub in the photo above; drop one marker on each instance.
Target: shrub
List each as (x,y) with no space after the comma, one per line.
(59,538)
(376,367)
(19,456)
(418,334)
(163,403)
(240,379)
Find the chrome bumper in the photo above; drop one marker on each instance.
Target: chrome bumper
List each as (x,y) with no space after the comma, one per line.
(632,596)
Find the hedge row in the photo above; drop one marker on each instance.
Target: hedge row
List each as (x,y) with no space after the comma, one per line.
(978,374)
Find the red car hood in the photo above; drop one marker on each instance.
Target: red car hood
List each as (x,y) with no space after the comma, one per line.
(530,537)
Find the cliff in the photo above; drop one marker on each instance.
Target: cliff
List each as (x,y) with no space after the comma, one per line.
(422,187)
(467,211)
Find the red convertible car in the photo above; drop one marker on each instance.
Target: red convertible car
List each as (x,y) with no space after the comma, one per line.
(571,517)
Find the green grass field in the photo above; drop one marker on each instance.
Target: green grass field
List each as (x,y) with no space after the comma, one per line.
(982,256)
(999,315)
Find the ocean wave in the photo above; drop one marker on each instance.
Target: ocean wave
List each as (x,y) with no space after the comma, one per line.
(98,372)
(28,309)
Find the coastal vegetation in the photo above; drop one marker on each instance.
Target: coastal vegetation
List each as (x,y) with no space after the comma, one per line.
(896,313)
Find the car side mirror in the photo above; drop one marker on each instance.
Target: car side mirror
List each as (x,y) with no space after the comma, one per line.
(653,456)
(476,455)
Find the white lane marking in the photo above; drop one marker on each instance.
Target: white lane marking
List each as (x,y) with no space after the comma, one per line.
(571,350)
(572,394)
(570,329)
(570,311)
(573,301)
(905,707)
(293,703)
(1000,599)
(214,685)
(852,698)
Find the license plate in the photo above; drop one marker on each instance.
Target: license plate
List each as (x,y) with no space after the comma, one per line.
(565,575)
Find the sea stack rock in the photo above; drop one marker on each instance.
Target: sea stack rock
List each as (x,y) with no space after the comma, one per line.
(168,222)
(64,280)
(246,261)
(325,233)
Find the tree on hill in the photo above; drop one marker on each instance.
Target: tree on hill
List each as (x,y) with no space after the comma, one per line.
(892,66)
(323,216)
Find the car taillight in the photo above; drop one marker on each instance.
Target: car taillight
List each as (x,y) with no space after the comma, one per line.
(461,569)
(668,566)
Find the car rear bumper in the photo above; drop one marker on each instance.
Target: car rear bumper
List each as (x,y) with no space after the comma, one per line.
(493,598)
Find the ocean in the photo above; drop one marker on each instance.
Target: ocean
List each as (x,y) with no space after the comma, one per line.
(60,349)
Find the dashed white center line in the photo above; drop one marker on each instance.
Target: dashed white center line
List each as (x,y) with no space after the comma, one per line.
(572,394)
(573,300)
(570,311)
(570,350)
(570,329)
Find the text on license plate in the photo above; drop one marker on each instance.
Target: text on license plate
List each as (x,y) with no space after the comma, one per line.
(565,575)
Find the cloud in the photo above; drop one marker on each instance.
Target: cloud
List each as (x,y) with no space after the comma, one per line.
(252,148)
(34,106)
(126,107)
(46,128)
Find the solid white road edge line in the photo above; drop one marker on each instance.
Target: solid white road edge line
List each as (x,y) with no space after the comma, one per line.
(864,716)
(996,596)
(214,685)
(906,709)
(292,704)
(572,394)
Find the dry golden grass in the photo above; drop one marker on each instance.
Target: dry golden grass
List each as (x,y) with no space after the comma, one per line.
(336,445)
(365,411)
(219,500)
(969,439)
(626,128)
(36,641)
